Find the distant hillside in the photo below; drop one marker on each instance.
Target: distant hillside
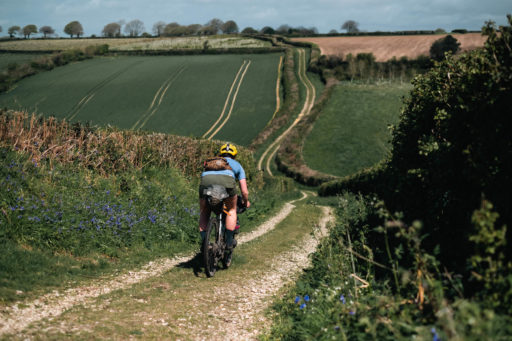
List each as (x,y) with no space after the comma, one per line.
(387,47)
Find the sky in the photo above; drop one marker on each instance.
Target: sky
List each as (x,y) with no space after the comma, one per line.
(325,15)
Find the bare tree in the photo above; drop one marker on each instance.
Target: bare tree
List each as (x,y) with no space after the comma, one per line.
(350,26)
(215,24)
(134,28)
(283,29)
(13,30)
(193,29)
(229,27)
(74,28)
(158,28)
(111,30)
(28,30)
(45,30)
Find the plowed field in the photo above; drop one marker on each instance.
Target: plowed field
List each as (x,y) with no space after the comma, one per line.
(387,47)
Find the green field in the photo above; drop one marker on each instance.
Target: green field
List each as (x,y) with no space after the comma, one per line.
(351,133)
(181,95)
(18,58)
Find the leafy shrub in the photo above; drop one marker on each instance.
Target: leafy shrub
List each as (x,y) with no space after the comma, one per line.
(451,148)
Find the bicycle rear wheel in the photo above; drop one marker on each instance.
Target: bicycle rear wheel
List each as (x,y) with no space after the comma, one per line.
(211,247)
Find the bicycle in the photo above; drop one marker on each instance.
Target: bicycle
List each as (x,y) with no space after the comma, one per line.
(214,248)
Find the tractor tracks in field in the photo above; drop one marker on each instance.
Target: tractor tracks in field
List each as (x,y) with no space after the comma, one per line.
(230,101)
(92,92)
(269,153)
(15,318)
(157,99)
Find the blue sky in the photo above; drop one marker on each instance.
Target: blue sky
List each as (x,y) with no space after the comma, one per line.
(372,15)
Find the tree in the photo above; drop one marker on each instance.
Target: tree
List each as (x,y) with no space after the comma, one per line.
(333,31)
(249,30)
(28,30)
(440,31)
(350,26)
(74,28)
(112,30)
(158,28)
(215,24)
(446,44)
(193,29)
(45,30)
(284,29)
(134,28)
(13,30)
(0,28)
(267,30)
(171,29)
(229,27)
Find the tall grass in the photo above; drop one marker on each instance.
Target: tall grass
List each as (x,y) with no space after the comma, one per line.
(356,291)
(107,150)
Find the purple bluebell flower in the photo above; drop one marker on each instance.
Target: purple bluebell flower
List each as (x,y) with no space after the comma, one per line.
(342,299)
(297,299)
(306,298)
(303,305)
(435,336)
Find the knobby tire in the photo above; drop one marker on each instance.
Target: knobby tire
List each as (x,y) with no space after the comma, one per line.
(210,245)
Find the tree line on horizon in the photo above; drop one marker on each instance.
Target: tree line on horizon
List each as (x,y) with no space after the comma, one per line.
(136,28)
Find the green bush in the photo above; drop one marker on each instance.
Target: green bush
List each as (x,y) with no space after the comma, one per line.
(451,148)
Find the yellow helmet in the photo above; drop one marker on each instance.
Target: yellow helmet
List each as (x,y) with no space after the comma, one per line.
(228,148)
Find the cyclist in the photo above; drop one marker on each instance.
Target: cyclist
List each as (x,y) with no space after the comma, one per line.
(227,178)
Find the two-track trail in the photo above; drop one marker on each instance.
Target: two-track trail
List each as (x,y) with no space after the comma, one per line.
(157,99)
(92,92)
(270,152)
(172,299)
(230,101)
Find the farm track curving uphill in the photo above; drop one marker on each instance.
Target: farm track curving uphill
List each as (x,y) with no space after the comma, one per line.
(38,317)
(270,152)
(230,99)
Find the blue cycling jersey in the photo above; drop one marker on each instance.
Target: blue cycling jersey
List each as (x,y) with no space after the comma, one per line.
(238,171)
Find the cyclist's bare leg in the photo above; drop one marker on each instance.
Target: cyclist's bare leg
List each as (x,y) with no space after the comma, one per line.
(231,216)
(204,215)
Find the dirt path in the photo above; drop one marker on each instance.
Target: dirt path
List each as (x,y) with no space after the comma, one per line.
(14,319)
(270,152)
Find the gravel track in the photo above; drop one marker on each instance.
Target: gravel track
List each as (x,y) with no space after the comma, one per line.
(15,318)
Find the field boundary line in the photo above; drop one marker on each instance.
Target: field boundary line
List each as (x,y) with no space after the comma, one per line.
(162,95)
(232,102)
(15,318)
(149,112)
(227,100)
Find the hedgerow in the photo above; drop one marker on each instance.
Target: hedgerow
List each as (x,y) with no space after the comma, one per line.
(451,162)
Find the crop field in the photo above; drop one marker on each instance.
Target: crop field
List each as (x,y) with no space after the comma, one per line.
(184,95)
(387,47)
(134,43)
(351,133)
(18,58)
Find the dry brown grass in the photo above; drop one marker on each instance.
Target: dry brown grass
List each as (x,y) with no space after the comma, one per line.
(106,150)
(387,47)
